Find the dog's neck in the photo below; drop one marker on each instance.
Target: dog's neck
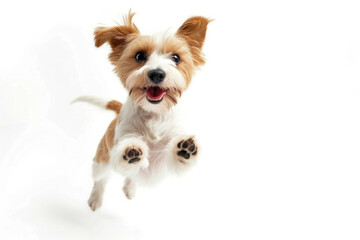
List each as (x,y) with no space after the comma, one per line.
(152,126)
(145,115)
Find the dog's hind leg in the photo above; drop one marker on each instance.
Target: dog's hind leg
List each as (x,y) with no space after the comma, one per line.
(129,188)
(100,175)
(101,167)
(96,196)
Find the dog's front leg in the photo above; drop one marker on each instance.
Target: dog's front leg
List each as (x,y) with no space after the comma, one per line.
(184,152)
(129,155)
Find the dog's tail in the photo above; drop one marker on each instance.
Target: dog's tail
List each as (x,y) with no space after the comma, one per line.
(102,103)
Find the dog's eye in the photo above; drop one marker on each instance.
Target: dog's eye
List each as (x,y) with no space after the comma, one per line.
(176,58)
(140,57)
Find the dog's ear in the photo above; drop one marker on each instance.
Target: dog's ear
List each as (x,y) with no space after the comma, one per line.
(118,35)
(193,31)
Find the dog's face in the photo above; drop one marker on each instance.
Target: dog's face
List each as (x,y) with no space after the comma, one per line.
(155,70)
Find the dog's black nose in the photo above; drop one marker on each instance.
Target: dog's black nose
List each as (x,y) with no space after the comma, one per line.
(156,75)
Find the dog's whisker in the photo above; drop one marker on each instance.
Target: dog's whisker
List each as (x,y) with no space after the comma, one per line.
(174,101)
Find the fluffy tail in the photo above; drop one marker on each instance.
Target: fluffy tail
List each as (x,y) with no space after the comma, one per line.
(102,103)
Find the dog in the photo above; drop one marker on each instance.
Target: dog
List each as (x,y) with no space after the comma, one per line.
(145,141)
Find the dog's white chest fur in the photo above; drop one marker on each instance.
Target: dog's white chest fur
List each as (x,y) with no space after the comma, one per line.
(153,127)
(156,130)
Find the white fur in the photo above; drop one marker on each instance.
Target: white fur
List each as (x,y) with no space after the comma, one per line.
(93,100)
(100,170)
(97,193)
(129,188)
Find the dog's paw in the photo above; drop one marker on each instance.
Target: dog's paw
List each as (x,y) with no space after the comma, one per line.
(129,156)
(95,201)
(129,189)
(132,154)
(186,150)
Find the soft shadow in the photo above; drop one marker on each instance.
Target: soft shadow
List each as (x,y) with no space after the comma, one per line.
(61,220)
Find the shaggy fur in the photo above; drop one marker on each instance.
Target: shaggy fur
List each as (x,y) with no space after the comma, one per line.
(145,140)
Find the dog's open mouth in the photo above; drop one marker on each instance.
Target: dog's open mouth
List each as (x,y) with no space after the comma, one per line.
(155,94)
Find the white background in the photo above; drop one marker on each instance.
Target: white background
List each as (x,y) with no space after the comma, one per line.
(276,109)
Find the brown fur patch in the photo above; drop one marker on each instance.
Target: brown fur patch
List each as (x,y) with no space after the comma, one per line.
(126,64)
(114,105)
(193,31)
(117,36)
(106,143)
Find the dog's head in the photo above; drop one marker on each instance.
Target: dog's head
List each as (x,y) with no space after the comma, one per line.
(155,70)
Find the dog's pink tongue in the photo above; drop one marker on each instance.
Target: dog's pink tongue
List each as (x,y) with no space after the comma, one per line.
(155,93)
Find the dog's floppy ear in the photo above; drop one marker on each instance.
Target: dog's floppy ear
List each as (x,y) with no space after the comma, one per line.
(193,31)
(117,35)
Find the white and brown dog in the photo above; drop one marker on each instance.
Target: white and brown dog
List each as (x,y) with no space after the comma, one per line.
(145,141)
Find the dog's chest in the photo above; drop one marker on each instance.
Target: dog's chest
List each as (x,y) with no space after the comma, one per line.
(156,130)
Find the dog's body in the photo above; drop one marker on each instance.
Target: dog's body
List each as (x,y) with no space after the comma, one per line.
(145,141)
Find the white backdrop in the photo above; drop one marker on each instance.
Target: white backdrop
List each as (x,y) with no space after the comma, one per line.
(276,109)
